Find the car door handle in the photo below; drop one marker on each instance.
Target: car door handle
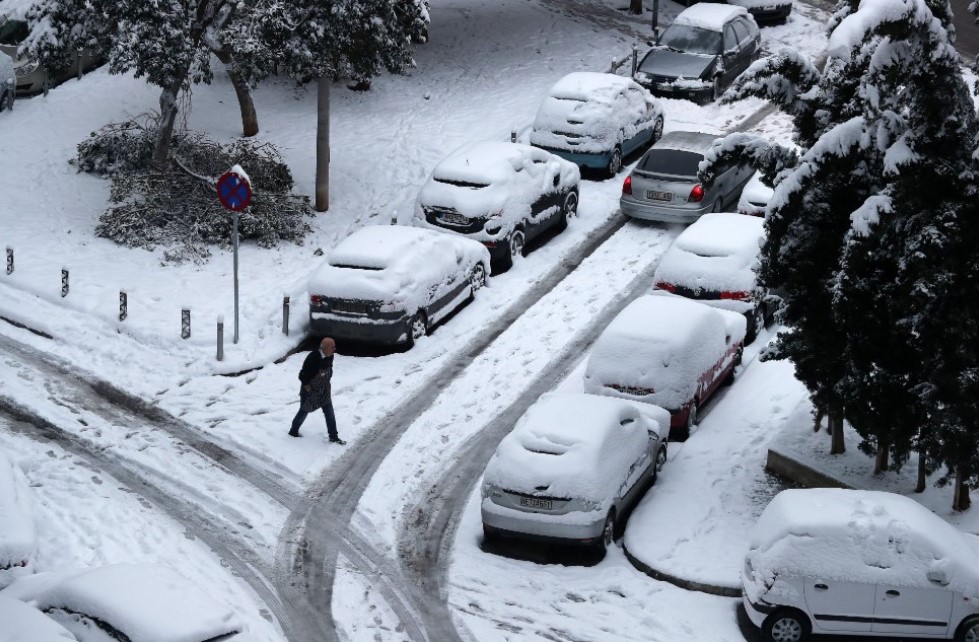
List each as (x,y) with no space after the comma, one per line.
(821,587)
(893,593)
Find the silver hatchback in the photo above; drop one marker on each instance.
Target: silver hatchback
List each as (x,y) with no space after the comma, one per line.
(664,185)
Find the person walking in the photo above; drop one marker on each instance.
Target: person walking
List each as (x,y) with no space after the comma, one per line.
(315,391)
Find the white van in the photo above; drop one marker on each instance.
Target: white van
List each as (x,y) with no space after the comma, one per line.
(8,82)
(859,563)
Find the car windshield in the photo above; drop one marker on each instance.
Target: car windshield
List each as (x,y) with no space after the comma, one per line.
(671,161)
(691,39)
(12,32)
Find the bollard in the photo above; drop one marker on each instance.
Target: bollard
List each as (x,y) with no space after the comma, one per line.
(220,337)
(64,282)
(635,59)
(13,86)
(10,260)
(46,83)
(185,323)
(513,136)
(79,54)
(285,315)
(614,66)
(123,305)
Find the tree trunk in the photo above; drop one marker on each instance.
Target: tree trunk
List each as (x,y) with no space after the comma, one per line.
(323,144)
(168,116)
(880,461)
(837,446)
(960,500)
(922,473)
(635,6)
(249,117)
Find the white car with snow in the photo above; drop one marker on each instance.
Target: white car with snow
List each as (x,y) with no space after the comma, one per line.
(859,563)
(712,262)
(18,536)
(20,622)
(572,468)
(755,197)
(668,351)
(130,602)
(595,120)
(503,195)
(389,284)
(8,82)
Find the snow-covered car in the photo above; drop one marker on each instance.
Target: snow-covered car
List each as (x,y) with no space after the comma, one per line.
(701,53)
(20,622)
(8,82)
(500,194)
(130,602)
(766,11)
(572,468)
(668,351)
(712,261)
(18,536)
(389,284)
(859,563)
(595,120)
(755,196)
(664,184)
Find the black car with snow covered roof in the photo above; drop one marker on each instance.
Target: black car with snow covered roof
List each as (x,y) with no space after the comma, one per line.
(701,53)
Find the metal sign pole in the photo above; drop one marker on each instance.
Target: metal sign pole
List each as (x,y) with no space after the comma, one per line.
(234,234)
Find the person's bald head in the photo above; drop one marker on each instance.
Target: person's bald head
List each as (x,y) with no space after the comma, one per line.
(328,346)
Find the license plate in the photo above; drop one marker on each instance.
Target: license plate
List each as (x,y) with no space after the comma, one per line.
(533,502)
(654,195)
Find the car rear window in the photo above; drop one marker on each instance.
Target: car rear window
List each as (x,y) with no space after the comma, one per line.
(671,161)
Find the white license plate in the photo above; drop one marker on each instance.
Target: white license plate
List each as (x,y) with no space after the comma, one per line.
(533,502)
(654,195)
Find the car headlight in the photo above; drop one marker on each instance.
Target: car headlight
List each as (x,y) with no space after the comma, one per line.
(494,223)
(28,67)
(391,306)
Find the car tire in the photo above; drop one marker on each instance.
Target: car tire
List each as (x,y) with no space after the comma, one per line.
(786,625)
(417,328)
(658,464)
(968,631)
(608,532)
(477,278)
(569,209)
(7,101)
(729,379)
(683,432)
(614,162)
(756,323)
(717,89)
(657,132)
(505,262)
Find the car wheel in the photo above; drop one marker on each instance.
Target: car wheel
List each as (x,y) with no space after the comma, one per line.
(787,625)
(717,90)
(683,432)
(615,162)
(7,101)
(516,243)
(658,464)
(729,379)
(657,132)
(568,210)
(756,322)
(477,278)
(968,631)
(608,532)
(417,328)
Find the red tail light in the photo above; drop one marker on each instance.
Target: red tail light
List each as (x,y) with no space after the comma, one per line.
(736,296)
(697,193)
(627,186)
(663,285)
(315,300)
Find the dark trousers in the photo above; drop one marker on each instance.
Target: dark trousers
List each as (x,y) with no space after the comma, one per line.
(331,420)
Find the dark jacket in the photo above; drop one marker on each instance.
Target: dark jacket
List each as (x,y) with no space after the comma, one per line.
(316,372)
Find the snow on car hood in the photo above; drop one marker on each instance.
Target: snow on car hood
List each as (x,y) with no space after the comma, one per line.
(717,253)
(574,446)
(18,536)
(756,192)
(677,64)
(24,623)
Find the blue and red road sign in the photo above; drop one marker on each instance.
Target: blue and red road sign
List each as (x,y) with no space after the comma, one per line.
(234,191)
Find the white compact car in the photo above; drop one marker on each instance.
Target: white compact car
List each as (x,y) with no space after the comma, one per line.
(18,536)
(667,351)
(389,284)
(133,602)
(859,563)
(572,468)
(755,197)
(712,261)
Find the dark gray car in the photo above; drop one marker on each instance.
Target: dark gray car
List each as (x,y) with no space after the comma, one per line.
(664,185)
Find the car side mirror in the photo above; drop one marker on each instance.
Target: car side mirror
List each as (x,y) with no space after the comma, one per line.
(731,52)
(936,576)
(557,180)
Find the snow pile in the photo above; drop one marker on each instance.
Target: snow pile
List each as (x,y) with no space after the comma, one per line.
(18,537)
(859,536)
(147,603)
(496,181)
(717,254)
(396,264)
(711,17)
(15,9)
(755,196)
(573,445)
(658,344)
(22,623)
(590,112)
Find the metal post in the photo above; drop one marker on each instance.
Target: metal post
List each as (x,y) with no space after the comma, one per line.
(185,323)
(635,59)
(234,234)
(220,337)
(614,65)
(79,53)
(10,260)
(285,315)
(13,93)
(123,305)
(64,282)
(46,83)
(656,19)
(513,136)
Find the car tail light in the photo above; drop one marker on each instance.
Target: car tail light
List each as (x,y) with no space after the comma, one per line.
(663,285)
(316,300)
(697,193)
(736,296)
(627,185)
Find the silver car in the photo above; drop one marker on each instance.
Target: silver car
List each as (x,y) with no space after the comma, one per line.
(32,76)
(664,185)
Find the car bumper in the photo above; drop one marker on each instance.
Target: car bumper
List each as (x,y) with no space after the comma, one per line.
(756,612)
(663,213)
(698,95)
(368,330)
(771,14)
(505,522)
(582,159)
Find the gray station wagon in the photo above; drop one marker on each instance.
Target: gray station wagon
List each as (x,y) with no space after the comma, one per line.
(664,185)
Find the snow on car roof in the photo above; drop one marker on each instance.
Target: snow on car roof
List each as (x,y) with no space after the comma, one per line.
(860,536)
(723,234)
(18,537)
(569,445)
(379,246)
(483,162)
(716,253)
(698,142)
(665,320)
(146,602)
(20,622)
(589,85)
(706,15)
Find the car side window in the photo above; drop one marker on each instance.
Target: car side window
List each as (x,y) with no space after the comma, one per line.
(753,33)
(744,36)
(730,38)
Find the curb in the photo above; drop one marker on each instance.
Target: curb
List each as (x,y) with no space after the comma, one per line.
(802,474)
(690,585)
